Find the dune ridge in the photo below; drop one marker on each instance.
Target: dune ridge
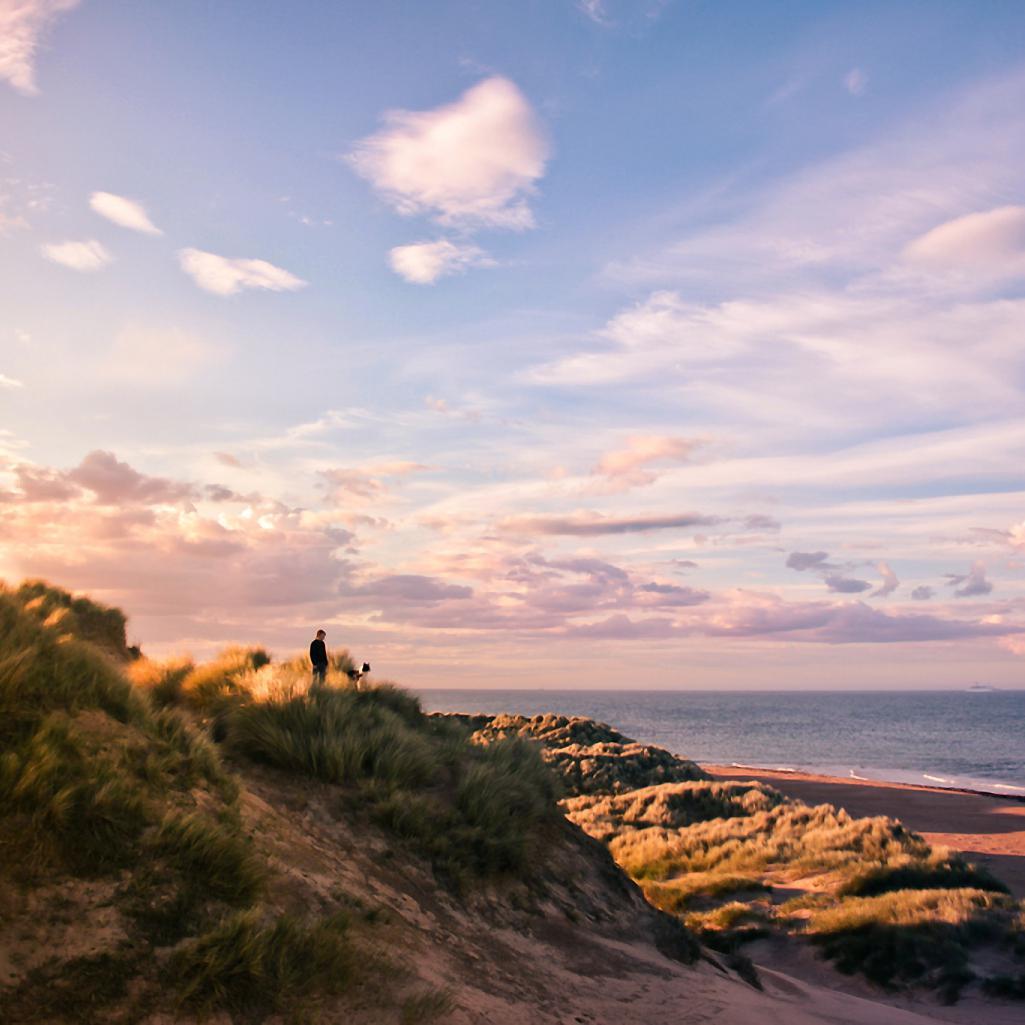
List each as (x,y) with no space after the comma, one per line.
(184,842)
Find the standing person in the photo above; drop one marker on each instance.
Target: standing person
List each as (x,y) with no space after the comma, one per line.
(318,656)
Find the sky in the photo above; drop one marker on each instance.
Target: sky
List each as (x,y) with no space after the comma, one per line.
(564,343)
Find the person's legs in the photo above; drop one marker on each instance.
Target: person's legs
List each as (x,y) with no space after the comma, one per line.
(319,672)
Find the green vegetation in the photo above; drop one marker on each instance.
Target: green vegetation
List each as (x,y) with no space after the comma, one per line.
(111,785)
(589,757)
(100,787)
(82,618)
(256,967)
(472,810)
(916,936)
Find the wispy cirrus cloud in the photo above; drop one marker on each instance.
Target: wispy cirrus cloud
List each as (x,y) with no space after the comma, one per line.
(128,213)
(471,163)
(10,383)
(223,275)
(23,24)
(424,263)
(81,256)
(991,241)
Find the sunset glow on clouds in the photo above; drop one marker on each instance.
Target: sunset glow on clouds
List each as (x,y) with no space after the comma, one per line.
(587,366)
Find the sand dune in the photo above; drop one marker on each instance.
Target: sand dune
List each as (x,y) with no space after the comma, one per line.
(988,830)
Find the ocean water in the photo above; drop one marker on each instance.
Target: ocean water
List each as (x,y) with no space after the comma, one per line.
(974,740)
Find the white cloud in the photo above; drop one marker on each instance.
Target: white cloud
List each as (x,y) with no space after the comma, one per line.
(10,383)
(225,276)
(991,236)
(81,256)
(22,25)
(855,81)
(126,212)
(472,162)
(424,262)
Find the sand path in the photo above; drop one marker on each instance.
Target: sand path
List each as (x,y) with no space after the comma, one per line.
(989,831)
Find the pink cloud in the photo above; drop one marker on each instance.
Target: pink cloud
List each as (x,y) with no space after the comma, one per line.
(630,466)
(114,482)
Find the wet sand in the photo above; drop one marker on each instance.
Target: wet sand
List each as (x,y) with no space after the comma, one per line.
(988,830)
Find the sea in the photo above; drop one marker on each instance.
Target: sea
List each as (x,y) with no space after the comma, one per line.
(973,740)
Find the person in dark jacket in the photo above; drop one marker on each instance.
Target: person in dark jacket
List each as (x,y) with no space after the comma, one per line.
(318,657)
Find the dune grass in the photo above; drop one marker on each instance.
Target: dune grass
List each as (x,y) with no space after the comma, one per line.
(471,810)
(880,900)
(79,617)
(915,936)
(255,967)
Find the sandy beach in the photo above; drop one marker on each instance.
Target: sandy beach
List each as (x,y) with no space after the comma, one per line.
(989,830)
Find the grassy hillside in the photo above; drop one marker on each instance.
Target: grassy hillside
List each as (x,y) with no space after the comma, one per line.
(122,820)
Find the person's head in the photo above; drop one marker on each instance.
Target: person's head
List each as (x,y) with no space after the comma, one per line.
(321,635)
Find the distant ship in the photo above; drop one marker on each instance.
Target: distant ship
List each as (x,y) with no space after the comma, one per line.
(981,688)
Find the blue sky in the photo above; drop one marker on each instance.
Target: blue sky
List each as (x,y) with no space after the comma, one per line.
(684,336)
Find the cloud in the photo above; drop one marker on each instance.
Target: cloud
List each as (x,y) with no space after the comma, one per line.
(1016,535)
(627,466)
(593,524)
(992,236)
(669,595)
(22,26)
(855,82)
(80,256)
(1015,644)
(807,560)
(10,383)
(846,585)
(115,483)
(471,163)
(760,523)
(971,584)
(423,263)
(226,276)
(890,582)
(128,213)
(834,575)
(843,623)
(365,482)
(923,592)
(41,484)
(409,589)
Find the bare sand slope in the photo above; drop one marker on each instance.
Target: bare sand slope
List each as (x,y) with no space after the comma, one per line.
(582,955)
(989,831)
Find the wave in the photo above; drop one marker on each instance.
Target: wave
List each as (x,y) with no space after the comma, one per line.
(762,768)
